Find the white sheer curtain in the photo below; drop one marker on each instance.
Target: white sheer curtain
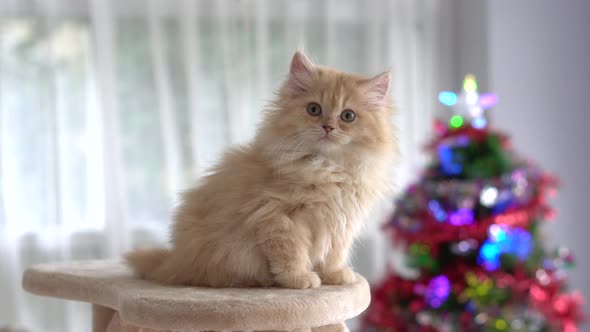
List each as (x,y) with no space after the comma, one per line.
(109,108)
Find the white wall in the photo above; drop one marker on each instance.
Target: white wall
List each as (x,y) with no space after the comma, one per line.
(539,64)
(470,41)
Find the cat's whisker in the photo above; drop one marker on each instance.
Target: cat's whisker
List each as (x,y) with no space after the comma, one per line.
(284,144)
(305,140)
(285,147)
(292,147)
(295,149)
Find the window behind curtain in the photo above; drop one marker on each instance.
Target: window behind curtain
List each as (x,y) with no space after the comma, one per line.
(177,109)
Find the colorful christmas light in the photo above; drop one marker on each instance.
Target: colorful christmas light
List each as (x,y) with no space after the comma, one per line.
(461,217)
(469,84)
(438,291)
(447,98)
(488,196)
(456,121)
(468,104)
(504,240)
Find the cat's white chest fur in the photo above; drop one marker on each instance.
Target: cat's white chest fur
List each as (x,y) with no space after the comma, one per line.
(336,221)
(334,209)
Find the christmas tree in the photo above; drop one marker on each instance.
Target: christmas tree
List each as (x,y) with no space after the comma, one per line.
(470,230)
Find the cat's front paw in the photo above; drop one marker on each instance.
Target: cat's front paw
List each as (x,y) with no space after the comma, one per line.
(298,280)
(339,277)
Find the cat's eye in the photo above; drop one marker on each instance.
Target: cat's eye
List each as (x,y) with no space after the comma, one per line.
(314,109)
(348,116)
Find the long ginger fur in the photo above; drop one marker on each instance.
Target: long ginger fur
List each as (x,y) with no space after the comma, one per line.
(284,210)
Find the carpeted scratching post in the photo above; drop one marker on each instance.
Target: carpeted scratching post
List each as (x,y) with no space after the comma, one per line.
(124,303)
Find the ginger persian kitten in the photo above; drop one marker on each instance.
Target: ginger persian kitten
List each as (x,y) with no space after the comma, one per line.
(284,209)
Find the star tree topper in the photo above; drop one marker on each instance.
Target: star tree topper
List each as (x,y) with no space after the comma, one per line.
(468,105)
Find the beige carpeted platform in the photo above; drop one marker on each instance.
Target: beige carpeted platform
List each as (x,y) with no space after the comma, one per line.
(141,305)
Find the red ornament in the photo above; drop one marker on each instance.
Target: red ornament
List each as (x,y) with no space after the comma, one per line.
(562,310)
(427,328)
(439,127)
(567,308)
(417,305)
(466,319)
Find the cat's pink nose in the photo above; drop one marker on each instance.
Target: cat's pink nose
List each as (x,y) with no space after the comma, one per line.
(327,128)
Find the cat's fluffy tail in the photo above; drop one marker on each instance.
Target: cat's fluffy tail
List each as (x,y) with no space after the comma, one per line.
(145,261)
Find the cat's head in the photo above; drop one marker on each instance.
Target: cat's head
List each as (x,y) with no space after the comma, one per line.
(328,112)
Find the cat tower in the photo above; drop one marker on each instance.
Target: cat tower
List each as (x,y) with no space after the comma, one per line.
(124,303)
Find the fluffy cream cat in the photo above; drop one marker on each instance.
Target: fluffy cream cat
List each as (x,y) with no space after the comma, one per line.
(284,209)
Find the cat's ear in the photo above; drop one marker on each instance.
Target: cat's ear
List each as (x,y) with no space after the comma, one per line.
(300,72)
(377,88)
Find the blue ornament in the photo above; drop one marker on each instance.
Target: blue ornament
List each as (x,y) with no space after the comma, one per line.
(504,200)
(504,240)
(449,163)
(437,211)
(489,256)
